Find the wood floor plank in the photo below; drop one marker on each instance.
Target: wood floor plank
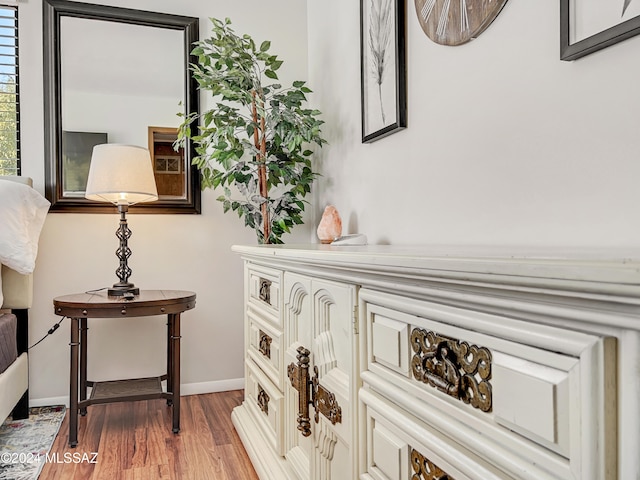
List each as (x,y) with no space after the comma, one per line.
(156,432)
(89,433)
(112,450)
(218,422)
(234,469)
(54,469)
(134,441)
(205,454)
(176,455)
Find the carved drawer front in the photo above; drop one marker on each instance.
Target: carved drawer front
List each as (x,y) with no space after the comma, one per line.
(400,447)
(265,403)
(265,348)
(264,291)
(539,398)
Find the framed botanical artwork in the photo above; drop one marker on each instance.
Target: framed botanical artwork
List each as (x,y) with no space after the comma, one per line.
(383,68)
(587,26)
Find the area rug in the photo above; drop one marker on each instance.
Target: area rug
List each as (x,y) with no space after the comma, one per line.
(24,444)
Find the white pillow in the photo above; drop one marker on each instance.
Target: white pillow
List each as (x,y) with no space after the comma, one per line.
(22,214)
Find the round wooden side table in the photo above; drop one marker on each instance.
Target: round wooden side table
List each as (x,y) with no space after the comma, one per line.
(82,306)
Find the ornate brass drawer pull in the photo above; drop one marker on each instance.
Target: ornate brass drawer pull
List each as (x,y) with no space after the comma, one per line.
(452,366)
(264,292)
(311,392)
(265,344)
(263,400)
(299,377)
(324,401)
(425,469)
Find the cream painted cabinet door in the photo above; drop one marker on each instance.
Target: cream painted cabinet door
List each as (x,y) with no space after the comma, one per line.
(319,316)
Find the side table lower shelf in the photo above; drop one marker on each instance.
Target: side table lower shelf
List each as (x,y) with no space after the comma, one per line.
(125,391)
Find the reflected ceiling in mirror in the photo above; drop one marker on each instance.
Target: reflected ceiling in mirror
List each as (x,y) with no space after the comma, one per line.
(110,74)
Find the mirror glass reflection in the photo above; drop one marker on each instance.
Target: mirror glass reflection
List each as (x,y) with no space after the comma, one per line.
(114,90)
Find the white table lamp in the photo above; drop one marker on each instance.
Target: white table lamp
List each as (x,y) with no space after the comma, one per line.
(122,175)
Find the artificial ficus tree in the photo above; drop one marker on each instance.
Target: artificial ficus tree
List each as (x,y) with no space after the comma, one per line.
(254,143)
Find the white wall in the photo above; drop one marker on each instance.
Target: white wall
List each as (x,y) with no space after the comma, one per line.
(124,118)
(505,145)
(189,252)
(130,76)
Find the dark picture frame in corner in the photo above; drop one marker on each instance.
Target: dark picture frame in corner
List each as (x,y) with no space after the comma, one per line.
(583,30)
(77,148)
(383,70)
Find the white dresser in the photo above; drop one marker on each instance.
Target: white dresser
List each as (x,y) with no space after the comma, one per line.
(409,363)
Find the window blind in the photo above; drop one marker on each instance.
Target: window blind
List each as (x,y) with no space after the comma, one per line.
(9,92)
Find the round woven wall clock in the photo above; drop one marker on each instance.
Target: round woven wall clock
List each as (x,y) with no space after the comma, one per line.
(454,22)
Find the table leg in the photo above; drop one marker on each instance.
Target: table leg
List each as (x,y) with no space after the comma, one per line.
(169,357)
(73,385)
(83,363)
(175,340)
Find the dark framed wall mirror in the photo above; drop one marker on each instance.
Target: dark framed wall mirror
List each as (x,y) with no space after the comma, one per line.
(112,75)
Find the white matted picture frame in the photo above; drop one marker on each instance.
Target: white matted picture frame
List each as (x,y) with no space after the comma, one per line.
(382,68)
(587,26)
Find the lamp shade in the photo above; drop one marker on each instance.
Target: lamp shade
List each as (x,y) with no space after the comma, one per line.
(121,174)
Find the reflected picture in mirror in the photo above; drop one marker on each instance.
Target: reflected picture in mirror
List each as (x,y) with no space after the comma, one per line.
(76,158)
(117,70)
(168,163)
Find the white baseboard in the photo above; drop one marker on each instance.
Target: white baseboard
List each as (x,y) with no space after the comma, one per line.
(185,389)
(211,387)
(45,402)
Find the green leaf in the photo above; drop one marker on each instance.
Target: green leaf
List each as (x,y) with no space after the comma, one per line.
(271,74)
(265,46)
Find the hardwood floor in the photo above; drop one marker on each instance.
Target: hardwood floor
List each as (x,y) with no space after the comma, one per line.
(133,441)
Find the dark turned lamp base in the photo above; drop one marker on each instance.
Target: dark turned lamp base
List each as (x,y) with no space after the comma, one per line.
(123,290)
